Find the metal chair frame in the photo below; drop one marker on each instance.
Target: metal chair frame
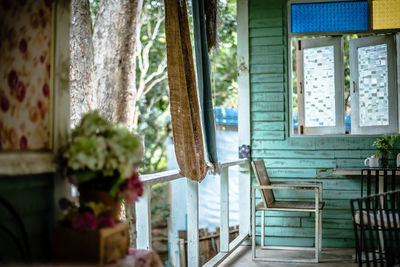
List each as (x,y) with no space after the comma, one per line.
(377,231)
(22,245)
(285,185)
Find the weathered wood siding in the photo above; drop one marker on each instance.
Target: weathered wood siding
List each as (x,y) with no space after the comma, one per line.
(296,158)
(32,197)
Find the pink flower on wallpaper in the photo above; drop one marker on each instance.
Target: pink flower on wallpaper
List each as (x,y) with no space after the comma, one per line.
(23,46)
(46,90)
(23,142)
(5,104)
(21,91)
(85,221)
(106,221)
(26,36)
(133,189)
(12,80)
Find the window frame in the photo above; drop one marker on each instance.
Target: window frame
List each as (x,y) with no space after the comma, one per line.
(337,43)
(333,33)
(292,132)
(354,45)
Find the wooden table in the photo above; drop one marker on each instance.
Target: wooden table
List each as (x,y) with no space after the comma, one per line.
(385,179)
(380,176)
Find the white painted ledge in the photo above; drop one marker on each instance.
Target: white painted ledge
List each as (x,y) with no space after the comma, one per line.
(356,172)
(23,163)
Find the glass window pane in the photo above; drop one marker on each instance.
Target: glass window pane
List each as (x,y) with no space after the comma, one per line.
(319,86)
(385,14)
(373,85)
(329,17)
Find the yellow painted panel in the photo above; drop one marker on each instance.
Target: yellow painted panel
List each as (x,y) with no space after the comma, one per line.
(385,14)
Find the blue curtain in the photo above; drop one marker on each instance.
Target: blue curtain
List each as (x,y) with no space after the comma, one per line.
(203,78)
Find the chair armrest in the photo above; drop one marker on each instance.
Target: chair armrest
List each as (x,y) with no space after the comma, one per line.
(295,182)
(286,187)
(317,188)
(307,183)
(304,184)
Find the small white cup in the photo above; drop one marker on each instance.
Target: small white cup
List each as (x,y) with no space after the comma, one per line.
(371,162)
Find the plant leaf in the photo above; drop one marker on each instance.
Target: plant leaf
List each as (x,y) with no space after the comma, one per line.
(114,188)
(85,176)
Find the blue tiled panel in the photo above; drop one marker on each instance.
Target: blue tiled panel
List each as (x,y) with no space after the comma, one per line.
(329,17)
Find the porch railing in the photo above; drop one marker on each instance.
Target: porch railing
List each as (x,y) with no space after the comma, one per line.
(143,211)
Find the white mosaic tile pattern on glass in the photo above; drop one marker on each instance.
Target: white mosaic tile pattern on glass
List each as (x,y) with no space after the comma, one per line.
(373,85)
(319,86)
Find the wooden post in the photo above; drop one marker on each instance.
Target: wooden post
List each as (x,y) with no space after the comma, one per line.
(182,253)
(244,111)
(61,107)
(192,207)
(244,199)
(143,219)
(224,209)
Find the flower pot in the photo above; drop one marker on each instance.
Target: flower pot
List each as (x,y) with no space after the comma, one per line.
(88,195)
(90,248)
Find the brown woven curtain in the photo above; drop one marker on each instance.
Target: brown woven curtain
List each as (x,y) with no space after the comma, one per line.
(185,115)
(211,8)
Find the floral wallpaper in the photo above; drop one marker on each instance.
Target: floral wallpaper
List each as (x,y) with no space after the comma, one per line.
(25,93)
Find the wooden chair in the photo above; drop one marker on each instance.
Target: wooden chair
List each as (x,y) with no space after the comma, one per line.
(270,204)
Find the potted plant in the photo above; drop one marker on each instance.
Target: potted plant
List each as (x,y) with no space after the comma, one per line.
(384,145)
(101,158)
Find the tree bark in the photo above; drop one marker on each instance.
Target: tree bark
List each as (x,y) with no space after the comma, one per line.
(105,56)
(81,48)
(127,82)
(114,41)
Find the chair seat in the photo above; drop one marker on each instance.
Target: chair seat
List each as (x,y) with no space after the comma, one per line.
(394,219)
(291,205)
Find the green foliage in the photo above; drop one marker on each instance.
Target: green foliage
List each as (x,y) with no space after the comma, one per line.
(154,106)
(159,205)
(94,7)
(385,144)
(153,125)
(224,58)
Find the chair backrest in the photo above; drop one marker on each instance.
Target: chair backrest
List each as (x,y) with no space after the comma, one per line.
(378,218)
(263,179)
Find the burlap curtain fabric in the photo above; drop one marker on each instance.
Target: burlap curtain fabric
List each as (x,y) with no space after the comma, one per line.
(185,115)
(210,10)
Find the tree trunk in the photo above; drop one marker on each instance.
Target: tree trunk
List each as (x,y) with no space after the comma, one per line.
(105,56)
(127,82)
(81,48)
(114,42)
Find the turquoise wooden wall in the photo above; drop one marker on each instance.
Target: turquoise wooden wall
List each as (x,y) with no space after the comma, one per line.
(32,197)
(296,158)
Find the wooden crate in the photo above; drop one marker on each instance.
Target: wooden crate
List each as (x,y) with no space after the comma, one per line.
(98,246)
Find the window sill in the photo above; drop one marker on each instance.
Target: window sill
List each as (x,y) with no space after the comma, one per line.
(26,163)
(354,172)
(339,135)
